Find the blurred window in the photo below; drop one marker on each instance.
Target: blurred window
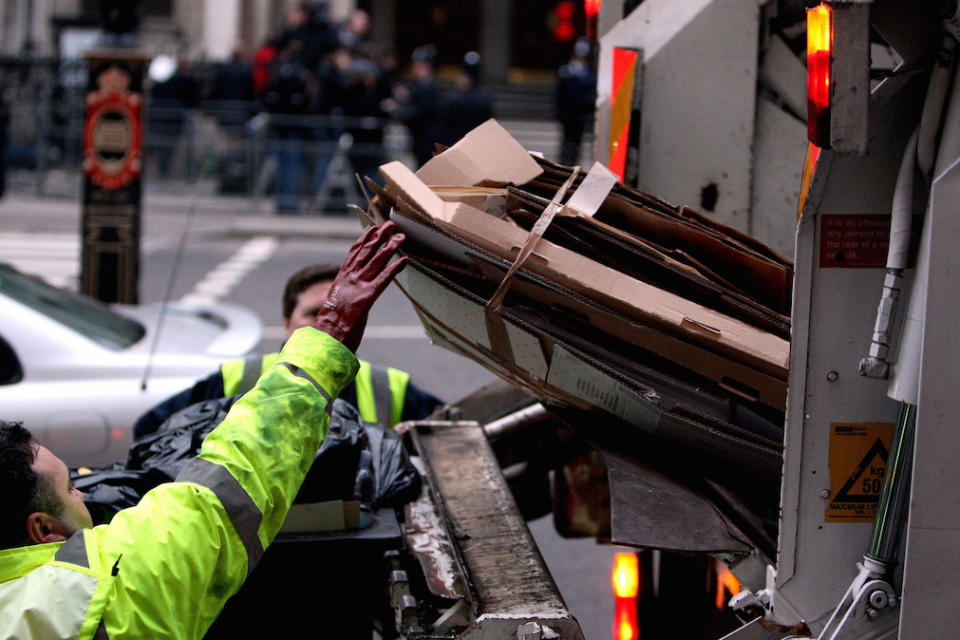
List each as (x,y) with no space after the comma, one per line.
(86,316)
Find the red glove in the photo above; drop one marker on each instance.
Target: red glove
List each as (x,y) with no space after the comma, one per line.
(362,278)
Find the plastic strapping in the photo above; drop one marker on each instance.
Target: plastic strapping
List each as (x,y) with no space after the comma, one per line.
(496,328)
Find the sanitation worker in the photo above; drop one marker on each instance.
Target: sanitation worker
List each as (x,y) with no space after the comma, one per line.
(165,568)
(382,395)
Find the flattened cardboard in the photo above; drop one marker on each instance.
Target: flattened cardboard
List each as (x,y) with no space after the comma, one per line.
(633,298)
(596,320)
(593,386)
(573,379)
(642,260)
(739,258)
(473,162)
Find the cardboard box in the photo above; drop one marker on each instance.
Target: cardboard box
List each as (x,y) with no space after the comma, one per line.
(314,517)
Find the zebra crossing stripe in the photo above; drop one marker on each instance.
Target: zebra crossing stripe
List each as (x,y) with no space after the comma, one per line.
(228,274)
(54,257)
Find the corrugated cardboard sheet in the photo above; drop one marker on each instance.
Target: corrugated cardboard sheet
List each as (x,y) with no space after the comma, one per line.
(626,306)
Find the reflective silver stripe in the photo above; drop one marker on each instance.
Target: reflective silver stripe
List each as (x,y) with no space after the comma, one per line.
(300,373)
(240,507)
(382,398)
(74,551)
(251,373)
(101,633)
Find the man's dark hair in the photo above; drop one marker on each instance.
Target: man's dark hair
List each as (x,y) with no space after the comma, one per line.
(303,279)
(24,491)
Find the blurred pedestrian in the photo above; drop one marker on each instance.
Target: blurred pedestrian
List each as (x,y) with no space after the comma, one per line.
(263,59)
(417,105)
(231,92)
(362,97)
(309,24)
(354,32)
(233,80)
(171,101)
(290,93)
(575,97)
(468,106)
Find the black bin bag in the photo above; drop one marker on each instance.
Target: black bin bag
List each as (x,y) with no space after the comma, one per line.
(360,461)
(356,461)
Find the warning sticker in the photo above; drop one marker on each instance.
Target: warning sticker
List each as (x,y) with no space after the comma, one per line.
(854,241)
(857,460)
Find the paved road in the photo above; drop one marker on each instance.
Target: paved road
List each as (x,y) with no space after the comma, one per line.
(245,260)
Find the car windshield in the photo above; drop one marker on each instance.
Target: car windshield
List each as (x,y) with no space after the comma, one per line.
(86,316)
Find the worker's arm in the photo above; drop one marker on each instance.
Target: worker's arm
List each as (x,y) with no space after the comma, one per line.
(418,404)
(188,545)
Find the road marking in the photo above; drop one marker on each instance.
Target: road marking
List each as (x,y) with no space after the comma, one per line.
(224,277)
(54,257)
(384,332)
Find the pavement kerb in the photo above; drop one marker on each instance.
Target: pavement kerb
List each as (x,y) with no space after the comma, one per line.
(210,215)
(333,227)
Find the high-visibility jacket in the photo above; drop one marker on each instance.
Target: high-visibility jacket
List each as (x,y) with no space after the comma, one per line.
(165,568)
(381,391)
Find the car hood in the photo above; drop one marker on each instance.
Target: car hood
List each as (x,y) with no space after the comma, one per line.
(220,331)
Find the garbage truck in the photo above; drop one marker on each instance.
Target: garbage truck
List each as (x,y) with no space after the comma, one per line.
(784,422)
(726,344)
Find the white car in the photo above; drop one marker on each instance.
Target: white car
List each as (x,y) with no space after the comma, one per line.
(78,373)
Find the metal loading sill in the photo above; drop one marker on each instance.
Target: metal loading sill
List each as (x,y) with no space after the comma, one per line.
(509,589)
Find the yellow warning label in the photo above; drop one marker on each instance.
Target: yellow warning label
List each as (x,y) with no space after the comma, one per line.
(857,460)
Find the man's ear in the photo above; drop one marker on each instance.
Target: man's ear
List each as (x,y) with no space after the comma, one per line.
(43,527)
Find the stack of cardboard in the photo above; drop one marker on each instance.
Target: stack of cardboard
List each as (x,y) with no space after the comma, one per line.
(592,295)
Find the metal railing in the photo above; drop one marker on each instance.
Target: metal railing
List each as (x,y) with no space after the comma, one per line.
(228,147)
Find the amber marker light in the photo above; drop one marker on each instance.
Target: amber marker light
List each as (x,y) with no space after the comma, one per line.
(626,575)
(819,49)
(727,585)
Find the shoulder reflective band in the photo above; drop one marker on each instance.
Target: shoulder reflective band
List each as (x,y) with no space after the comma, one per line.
(300,373)
(382,395)
(251,373)
(74,551)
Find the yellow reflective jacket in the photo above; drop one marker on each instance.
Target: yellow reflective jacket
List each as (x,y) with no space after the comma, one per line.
(165,568)
(381,391)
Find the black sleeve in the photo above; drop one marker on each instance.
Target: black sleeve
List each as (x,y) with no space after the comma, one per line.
(208,388)
(349,394)
(418,404)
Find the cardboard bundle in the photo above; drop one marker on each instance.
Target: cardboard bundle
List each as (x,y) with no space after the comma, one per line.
(593,295)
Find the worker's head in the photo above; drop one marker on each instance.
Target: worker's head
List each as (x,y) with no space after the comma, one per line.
(41,503)
(306,290)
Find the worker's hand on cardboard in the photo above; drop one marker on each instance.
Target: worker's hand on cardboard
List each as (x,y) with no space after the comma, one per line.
(362,278)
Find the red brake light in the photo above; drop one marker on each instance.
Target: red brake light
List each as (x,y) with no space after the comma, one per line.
(625,625)
(819,49)
(626,588)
